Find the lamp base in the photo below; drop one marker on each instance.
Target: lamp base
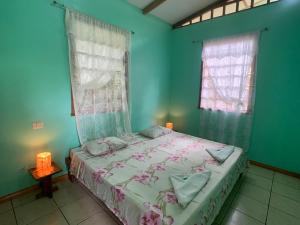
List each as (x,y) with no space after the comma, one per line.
(47,188)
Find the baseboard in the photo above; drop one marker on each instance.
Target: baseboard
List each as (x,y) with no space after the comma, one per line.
(275,169)
(30,189)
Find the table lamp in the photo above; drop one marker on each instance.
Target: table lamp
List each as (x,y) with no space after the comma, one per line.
(169,125)
(43,161)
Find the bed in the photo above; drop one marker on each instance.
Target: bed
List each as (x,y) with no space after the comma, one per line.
(134,182)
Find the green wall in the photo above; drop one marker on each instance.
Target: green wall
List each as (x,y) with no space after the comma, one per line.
(35,84)
(276,128)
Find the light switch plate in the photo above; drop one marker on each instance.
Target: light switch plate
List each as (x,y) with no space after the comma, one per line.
(37,125)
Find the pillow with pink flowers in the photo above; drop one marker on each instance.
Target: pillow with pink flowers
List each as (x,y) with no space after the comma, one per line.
(103,146)
(155,131)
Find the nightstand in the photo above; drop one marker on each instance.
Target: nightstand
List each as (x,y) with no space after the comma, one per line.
(45,179)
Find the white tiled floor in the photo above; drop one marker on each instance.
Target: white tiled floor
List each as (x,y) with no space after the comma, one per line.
(260,197)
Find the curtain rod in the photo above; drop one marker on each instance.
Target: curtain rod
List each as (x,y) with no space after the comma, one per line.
(62,6)
(261,31)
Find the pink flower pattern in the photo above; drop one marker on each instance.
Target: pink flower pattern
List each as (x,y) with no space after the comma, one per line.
(153,215)
(151,218)
(118,165)
(143,178)
(211,161)
(174,158)
(139,156)
(198,169)
(168,220)
(118,193)
(159,167)
(170,197)
(108,154)
(116,211)
(100,174)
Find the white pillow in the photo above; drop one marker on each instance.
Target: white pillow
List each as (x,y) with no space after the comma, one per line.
(155,131)
(103,146)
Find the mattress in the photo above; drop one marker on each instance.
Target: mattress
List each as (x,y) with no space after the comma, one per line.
(134,182)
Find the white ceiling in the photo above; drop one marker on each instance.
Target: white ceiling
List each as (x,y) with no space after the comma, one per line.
(172,11)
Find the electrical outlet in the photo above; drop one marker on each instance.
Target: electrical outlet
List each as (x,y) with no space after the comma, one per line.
(37,125)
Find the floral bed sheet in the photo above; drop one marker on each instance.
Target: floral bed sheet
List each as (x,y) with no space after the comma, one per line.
(134,182)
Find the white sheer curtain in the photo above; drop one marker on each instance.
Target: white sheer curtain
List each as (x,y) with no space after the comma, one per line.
(228,89)
(98,55)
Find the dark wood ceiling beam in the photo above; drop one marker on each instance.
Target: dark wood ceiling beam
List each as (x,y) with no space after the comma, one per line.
(198,13)
(152,6)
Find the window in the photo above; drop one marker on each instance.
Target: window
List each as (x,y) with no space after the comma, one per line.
(221,9)
(112,88)
(94,59)
(228,69)
(98,54)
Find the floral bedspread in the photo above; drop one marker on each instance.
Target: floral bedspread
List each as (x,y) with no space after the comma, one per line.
(134,182)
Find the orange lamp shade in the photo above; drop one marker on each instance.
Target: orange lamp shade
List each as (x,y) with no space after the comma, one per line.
(169,125)
(43,161)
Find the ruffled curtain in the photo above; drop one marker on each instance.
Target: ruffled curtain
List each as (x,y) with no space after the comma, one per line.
(98,55)
(228,89)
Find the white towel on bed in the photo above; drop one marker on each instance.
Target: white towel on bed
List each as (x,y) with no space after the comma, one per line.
(186,187)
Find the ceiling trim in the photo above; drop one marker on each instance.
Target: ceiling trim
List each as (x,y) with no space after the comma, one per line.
(154,4)
(207,8)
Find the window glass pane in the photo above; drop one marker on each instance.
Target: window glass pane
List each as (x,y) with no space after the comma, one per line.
(206,16)
(218,12)
(187,23)
(231,8)
(227,76)
(244,4)
(260,2)
(196,20)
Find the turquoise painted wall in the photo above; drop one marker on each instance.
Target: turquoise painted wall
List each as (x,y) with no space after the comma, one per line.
(35,84)
(276,129)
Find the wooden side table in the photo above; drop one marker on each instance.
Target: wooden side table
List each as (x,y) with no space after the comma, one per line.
(45,179)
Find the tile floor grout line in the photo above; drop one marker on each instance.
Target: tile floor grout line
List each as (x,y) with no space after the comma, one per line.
(231,200)
(60,211)
(230,205)
(270,199)
(22,204)
(13,208)
(39,217)
(34,192)
(287,197)
(258,185)
(270,191)
(248,215)
(88,218)
(273,181)
(262,176)
(284,212)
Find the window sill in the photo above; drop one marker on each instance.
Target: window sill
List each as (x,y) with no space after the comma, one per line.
(218,110)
